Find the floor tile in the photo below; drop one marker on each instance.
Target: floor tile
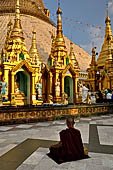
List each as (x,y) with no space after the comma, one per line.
(105,135)
(24,126)
(5,128)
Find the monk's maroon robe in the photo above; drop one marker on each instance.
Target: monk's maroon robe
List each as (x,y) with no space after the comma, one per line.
(71,149)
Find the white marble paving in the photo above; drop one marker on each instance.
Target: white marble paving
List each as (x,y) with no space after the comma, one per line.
(99,122)
(85,119)
(84,129)
(78,165)
(96,162)
(35,158)
(43,124)
(6,149)
(26,167)
(59,122)
(43,150)
(24,126)
(108,122)
(95,117)
(50,131)
(45,164)
(105,116)
(5,128)
(105,135)
(2,140)
(93,122)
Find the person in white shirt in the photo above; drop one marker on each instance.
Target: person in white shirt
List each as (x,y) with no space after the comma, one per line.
(109,95)
(84,93)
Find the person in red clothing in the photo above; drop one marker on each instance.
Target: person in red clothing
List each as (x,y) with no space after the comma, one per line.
(70,147)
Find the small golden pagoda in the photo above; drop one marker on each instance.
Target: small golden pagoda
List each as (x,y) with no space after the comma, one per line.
(19,69)
(100,73)
(73,57)
(105,59)
(92,73)
(60,76)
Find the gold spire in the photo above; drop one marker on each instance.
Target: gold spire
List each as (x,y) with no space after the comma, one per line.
(59,20)
(105,53)
(15,46)
(17,10)
(59,41)
(58,50)
(9,29)
(72,56)
(93,61)
(108,30)
(107,16)
(34,40)
(17,29)
(33,52)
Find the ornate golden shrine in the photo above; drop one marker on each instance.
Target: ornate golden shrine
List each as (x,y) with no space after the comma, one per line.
(91,82)
(100,73)
(60,76)
(19,68)
(23,71)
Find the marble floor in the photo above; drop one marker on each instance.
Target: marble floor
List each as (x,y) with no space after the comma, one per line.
(24,146)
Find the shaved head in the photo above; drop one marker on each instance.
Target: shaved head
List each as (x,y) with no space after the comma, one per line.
(70,121)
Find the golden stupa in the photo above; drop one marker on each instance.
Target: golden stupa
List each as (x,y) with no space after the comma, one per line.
(100,73)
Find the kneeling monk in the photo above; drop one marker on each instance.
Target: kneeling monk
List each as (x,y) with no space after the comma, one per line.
(70,147)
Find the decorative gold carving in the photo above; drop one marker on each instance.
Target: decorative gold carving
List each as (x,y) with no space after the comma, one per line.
(70,68)
(73,58)
(33,52)
(21,64)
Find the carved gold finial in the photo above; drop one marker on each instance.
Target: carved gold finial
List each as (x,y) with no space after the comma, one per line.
(59,11)
(17,23)
(72,56)
(58,3)
(34,39)
(17,28)
(71,46)
(17,10)
(33,52)
(93,61)
(107,7)
(107,16)
(108,31)
(59,21)
(9,25)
